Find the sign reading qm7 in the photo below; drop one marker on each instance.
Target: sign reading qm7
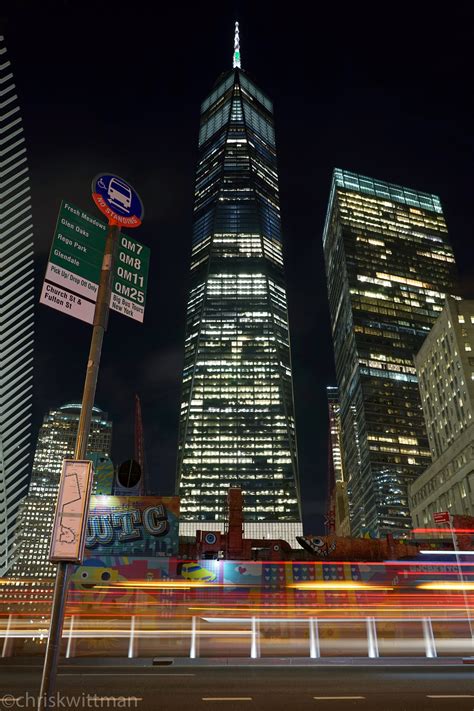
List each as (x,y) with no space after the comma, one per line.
(73,271)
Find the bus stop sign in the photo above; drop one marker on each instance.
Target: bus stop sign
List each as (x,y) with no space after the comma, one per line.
(117,200)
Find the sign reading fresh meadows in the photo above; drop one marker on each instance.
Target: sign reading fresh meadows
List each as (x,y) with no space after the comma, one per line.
(117,200)
(75,262)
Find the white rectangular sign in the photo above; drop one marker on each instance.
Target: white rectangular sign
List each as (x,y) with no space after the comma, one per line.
(126,307)
(64,300)
(63,277)
(72,508)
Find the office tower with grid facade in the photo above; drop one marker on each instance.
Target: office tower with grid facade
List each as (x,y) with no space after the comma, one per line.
(445,368)
(16,313)
(389,265)
(237,425)
(56,441)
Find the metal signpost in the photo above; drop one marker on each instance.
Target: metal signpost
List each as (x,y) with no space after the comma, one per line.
(120,203)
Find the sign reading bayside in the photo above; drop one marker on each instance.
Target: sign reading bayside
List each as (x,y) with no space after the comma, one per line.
(117,200)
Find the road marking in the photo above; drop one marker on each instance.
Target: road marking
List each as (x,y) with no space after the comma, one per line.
(227,698)
(450,696)
(338,698)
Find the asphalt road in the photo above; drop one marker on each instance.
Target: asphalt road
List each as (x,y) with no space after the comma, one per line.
(332,687)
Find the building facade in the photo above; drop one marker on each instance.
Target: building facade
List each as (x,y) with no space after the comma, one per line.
(16,313)
(445,368)
(389,265)
(338,502)
(56,441)
(237,424)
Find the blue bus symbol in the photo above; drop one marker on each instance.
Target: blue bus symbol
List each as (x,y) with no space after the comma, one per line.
(119,194)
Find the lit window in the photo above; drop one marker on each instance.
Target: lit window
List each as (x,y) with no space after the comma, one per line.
(461,318)
(467,347)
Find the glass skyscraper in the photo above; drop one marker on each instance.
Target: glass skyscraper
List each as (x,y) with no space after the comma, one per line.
(237,424)
(16,313)
(389,265)
(56,441)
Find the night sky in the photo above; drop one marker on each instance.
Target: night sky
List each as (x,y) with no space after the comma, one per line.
(381,89)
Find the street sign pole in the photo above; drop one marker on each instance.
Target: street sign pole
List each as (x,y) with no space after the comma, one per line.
(101,314)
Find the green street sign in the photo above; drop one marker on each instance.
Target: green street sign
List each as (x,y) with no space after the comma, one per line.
(75,262)
(130,279)
(77,248)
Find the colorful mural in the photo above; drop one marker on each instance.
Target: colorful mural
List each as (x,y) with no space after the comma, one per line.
(108,579)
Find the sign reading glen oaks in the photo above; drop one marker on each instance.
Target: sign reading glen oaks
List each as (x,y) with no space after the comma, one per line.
(75,262)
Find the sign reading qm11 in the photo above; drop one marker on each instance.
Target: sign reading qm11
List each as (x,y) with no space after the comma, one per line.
(75,260)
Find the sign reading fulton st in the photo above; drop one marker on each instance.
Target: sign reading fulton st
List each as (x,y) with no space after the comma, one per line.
(73,270)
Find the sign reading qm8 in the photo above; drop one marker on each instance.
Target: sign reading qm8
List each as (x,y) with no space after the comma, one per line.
(133,526)
(73,272)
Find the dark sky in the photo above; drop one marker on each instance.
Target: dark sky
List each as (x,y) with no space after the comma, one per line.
(382,89)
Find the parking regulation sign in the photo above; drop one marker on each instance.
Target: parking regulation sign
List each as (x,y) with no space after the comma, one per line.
(441,517)
(117,200)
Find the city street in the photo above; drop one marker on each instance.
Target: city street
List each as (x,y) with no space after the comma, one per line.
(402,685)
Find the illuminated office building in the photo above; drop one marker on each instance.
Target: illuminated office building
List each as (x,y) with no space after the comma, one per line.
(16,313)
(445,368)
(389,265)
(237,424)
(338,521)
(56,441)
(334,410)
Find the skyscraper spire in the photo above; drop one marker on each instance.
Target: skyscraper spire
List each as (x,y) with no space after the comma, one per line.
(236,59)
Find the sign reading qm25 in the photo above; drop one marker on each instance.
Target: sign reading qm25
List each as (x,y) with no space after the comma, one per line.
(133,526)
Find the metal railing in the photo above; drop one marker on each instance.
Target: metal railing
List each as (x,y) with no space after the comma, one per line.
(251,629)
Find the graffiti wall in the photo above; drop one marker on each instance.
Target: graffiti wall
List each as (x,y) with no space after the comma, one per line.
(132,526)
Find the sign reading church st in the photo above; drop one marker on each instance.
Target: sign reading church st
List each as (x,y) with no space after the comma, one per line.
(73,272)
